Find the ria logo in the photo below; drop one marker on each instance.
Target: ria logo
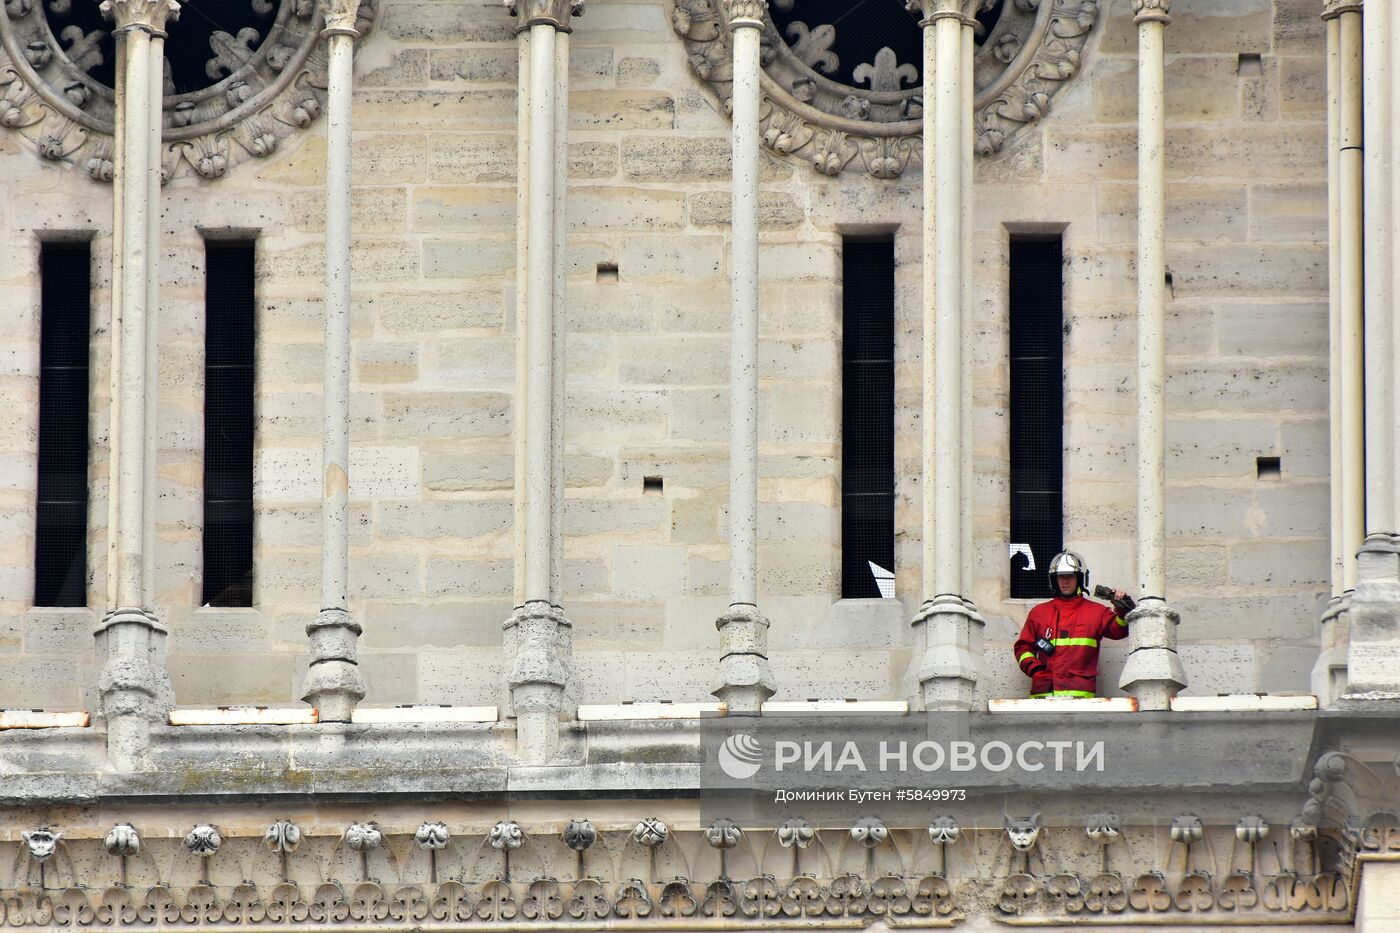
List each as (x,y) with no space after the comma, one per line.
(740,756)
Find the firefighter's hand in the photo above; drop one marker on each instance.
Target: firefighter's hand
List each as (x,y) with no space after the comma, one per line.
(1035,669)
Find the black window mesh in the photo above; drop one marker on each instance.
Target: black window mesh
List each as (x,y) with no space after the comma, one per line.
(1037,410)
(867,415)
(228,425)
(60,533)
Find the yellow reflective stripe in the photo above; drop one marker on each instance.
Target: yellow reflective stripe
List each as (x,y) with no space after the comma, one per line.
(1081,694)
(1085,642)
(1028,654)
(1122,622)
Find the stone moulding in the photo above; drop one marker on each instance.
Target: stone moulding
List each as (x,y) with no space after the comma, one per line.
(900,876)
(1029,57)
(268,92)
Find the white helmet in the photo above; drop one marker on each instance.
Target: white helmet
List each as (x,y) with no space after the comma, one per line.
(1068,562)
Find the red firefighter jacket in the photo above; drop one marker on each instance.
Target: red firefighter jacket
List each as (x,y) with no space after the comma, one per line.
(1075,627)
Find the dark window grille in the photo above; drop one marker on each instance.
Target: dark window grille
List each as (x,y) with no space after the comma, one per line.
(1037,410)
(867,415)
(60,532)
(228,424)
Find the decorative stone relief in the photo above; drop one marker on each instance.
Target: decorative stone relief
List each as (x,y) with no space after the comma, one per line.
(1220,874)
(262,85)
(867,116)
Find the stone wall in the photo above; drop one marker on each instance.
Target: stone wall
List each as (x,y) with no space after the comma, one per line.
(645,574)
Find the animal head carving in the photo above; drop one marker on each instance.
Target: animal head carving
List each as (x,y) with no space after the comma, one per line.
(1023,831)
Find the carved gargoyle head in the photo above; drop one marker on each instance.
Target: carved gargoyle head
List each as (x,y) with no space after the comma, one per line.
(869,832)
(723,834)
(944,830)
(432,836)
(1023,831)
(650,832)
(580,834)
(507,834)
(41,843)
(361,837)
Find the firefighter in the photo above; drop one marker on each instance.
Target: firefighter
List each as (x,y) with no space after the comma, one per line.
(1059,644)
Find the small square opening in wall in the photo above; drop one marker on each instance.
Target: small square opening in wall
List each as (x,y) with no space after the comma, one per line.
(1269,467)
(653,485)
(607,273)
(1251,65)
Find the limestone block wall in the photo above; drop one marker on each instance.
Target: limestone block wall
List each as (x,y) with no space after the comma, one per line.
(645,574)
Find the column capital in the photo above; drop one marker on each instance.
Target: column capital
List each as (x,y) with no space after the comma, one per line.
(932,11)
(1152,11)
(340,18)
(150,15)
(1331,9)
(745,12)
(556,13)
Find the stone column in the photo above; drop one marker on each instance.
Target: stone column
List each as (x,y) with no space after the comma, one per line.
(1376,24)
(745,677)
(1345,330)
(538,629)
(948,628)
(969,93)
(1153,672)
(1378,895)
(134,687)
(333,683)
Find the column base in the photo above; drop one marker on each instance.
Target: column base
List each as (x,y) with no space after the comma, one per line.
(133,687)
(537,680)
(746,678)
(1373,649)
(1329,673)
(333,683)
(947,663)
(1153,673)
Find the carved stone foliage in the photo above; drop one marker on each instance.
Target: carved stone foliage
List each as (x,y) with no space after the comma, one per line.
(263,84)
(1028,52)
(865,873)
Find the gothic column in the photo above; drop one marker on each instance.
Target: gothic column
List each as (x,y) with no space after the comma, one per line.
(1347,455)
(333,683)
(538,630)
(1153,672)
(134,687)
(948,628)
(746,679)
(1373,651)
(969,92)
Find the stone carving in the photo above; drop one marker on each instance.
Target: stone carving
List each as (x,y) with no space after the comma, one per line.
(944,831)
(869,832)
(432,836)
(269,85)
(507,835)
(1103,827)
(1077,891)
(796,832)
(204,840)
(723,834)
(579,834)
(875,125)
(361,837)
(650,832)
(41,843)
(1022,832)
(122,840)
(282,836)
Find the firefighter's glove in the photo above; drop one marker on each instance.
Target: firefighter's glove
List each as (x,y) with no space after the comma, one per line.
(1124,606)
(1044,646)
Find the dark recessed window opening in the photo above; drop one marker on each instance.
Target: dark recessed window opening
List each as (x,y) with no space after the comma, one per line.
(607,273)
(1037,412)
(228,424)
(653,485)
(1251,65)
(867,419)
(60,532)
(1269,467)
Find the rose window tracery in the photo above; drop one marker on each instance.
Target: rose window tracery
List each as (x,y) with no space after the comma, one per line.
(239,76)
(842,81)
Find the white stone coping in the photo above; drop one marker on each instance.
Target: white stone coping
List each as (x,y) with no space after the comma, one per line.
(1065,705)
(807,707)
(1243,703)
(615,712)
(39,719)
(410,714)
(244,716)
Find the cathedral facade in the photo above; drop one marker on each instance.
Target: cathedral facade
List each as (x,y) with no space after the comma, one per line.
(442,433)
